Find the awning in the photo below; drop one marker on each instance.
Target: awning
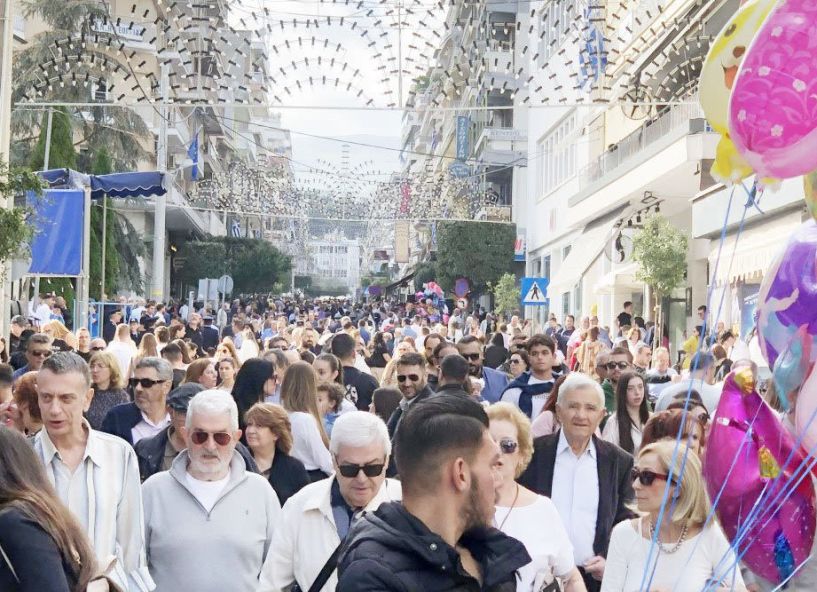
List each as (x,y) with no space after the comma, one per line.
(133,184)
(585,248)
(623,276)
(756,249)
(403,280)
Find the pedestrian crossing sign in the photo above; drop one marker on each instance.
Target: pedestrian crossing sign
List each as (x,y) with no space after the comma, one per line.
(534,291)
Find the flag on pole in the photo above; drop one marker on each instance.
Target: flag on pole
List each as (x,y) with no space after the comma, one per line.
(193,153)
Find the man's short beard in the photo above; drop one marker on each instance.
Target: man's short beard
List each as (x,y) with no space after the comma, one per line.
(472,514)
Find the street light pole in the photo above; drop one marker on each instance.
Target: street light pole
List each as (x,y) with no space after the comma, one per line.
(5,141)
(160,207)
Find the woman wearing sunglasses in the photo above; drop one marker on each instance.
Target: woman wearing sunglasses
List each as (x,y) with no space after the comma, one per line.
(688,553)
(520,512)
(626,425)
(519,363)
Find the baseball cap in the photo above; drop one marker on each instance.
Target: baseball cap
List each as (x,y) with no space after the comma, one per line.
(179,398)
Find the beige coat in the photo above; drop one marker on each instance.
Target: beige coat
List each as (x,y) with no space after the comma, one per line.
(307,536)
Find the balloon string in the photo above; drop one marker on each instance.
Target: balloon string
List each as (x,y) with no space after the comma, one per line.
(646,581)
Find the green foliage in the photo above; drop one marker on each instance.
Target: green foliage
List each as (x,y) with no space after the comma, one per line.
(425,272)
(506,293)
(62,154)
(15,228)
(660,250)
(303,282)
(112,271)
(102,163)
(130,248)
(254,264)
(481,252)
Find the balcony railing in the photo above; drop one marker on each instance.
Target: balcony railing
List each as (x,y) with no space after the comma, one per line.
(688,117)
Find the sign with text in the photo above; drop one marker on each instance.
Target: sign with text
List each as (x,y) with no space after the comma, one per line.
(463,125)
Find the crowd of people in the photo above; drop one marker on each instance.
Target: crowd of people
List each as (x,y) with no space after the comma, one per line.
(279,445)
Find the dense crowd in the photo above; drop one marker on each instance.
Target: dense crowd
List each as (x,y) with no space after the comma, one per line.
(274,444)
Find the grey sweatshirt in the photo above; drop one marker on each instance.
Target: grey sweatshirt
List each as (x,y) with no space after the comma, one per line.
(191,549)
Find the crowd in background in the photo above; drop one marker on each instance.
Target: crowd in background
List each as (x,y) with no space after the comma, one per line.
(264,429)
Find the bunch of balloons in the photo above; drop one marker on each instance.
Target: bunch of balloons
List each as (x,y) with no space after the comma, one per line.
(759,91)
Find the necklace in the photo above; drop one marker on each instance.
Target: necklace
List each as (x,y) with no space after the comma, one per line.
(677,546)
(513,505)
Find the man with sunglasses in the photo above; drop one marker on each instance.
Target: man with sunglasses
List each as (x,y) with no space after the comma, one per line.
(411,380)
(493,381)
(317,519)
(38,348)
(620,361)
(95,474)
(587,479)
(147,415)
(208,521)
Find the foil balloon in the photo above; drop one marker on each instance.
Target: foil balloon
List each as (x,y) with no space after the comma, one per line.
(787,300)
(745,463)
(717,79)
(792,366)
(805,414)
(773,108)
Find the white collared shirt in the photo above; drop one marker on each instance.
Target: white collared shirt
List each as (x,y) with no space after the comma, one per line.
(105,496)
(148,429)
(575,493)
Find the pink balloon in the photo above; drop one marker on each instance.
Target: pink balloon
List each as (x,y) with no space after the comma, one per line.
(742,415)
(805,413)
(773,108)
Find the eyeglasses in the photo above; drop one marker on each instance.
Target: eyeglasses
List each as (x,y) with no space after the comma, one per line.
(409,377)
(144,382)
(516,361)
(647,478)
(97,348)
(508,446)
(471,357)
(619,365)
(41,353)
(351,471)
(220,438)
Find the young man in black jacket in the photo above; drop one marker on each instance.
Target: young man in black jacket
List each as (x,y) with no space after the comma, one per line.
(440,538)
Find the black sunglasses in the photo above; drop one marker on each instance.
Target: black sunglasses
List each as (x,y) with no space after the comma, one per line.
(471,357)
(619,365)
(220,438)
(351,471)
(508,446)
(145,382)
(516,361)
(40,353)
(647,478)
(97,348)
(404,377)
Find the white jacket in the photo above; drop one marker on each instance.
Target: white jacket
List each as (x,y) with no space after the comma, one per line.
(307,536)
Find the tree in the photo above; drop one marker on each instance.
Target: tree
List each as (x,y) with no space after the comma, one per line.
(254,264)
(506,294)
(425,272)
(481,252)
(660,250)
(15,226)
(62,154)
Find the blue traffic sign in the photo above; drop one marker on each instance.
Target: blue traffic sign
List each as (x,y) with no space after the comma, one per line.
(534,291)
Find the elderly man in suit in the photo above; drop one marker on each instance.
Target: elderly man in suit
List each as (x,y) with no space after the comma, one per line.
(587,478)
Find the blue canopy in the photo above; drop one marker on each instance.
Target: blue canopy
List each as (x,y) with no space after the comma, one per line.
(136,184)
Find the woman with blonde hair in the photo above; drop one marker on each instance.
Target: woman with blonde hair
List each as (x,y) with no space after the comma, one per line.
(269,437)
(61,338)
(520,513)
(203,372)
(226,349)
(108,384)
(299,396)
(690,550)
(148,348)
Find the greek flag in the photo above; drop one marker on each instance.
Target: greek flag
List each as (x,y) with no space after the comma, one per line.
(235,229)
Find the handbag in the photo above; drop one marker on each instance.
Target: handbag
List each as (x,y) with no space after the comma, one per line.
(323,575)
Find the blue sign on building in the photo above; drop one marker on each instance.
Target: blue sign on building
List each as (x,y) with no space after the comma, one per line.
(463,124)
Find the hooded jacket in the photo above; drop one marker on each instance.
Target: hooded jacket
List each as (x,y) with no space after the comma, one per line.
(392,550)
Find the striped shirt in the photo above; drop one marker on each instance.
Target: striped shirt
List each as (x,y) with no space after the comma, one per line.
(104,494)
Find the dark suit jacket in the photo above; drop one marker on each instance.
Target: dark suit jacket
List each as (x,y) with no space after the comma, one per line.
(209,337)
(615,485)
(120,420)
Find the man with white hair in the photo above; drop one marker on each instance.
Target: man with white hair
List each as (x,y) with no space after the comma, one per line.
(208,521)
(317,518)
(587,478)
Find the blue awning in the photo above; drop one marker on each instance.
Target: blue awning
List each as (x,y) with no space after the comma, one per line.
(135,184)
(128,184)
